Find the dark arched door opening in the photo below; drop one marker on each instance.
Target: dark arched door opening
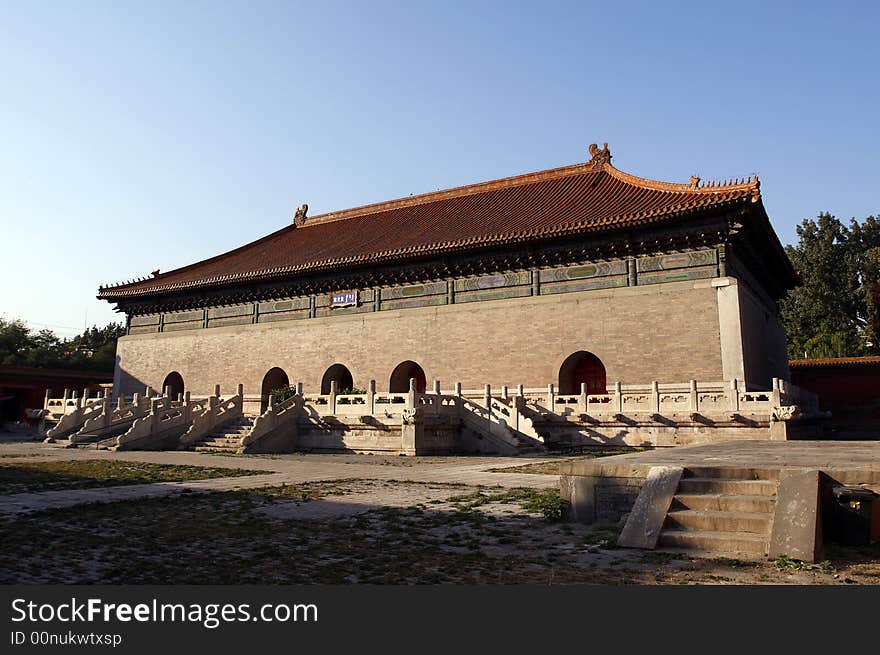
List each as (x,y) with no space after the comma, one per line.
(344,381)
(401,375)
(274,379)
(582,368)
(173,384)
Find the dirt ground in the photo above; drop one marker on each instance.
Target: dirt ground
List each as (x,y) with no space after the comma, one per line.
(353,531)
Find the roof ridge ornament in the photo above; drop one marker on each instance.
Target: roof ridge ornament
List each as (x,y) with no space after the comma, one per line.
(599,156)
(299,218)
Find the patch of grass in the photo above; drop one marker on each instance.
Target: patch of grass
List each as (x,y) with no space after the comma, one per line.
(660,557)
(545,502)
(784,562)
(24,477)
(603,535)
(552,468)
(733,563)
(20,455)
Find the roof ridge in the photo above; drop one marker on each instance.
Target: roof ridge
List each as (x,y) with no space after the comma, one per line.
(696,185)
(834,361)
(454,192)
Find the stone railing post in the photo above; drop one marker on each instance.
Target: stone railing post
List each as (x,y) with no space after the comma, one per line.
(733,395)
(299,388)
(694,400)
(371,398)
(655,397)
(487,400)
(775,394)
(618,397)
(120,402)
(514,406)
(187,408)
(155,408)
(217,390)
(106,411)
(334,390)
(46,398)
(582,401)
(551,398)
(520,390)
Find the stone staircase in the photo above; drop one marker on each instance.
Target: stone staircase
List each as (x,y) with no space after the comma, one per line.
(226,439)
(528,446)
(722,510)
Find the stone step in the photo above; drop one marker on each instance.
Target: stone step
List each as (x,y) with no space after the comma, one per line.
(714,542)
(223,443)
(724,503)
(727,486)
(731,473)
(239,432)
(214,449)
(698,520)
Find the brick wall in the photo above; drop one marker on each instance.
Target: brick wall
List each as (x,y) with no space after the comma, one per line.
(764,341)
(665,332)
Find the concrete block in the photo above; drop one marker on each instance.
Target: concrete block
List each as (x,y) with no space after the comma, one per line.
(643,526)
(797,524)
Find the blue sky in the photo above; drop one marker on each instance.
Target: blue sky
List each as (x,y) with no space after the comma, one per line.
(136,136)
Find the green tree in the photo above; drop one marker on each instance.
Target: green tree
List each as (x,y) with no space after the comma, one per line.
(15,338)
(94,349)
(834,311)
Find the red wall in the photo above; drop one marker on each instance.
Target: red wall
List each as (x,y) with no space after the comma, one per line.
(25,388)
(849,390)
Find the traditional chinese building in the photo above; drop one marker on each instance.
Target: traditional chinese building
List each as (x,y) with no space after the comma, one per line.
(582,274)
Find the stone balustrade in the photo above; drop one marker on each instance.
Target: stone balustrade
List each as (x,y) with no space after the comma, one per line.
(218,413)
(166,419)
(653,399)
(508,418)
(279,419)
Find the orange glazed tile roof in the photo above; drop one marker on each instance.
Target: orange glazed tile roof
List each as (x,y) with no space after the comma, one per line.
(834,361)
(579,199)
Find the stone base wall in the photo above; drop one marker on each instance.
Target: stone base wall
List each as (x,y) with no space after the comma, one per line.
(664,332)
(655,436)
(604,497)
(350,437)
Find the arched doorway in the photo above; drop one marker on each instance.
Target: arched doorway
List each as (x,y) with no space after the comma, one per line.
(174,383)
(275,378)
(401,375)
(582,368)
(341,374)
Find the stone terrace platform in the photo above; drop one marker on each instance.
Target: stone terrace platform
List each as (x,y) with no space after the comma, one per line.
(755,498)
(849,462)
